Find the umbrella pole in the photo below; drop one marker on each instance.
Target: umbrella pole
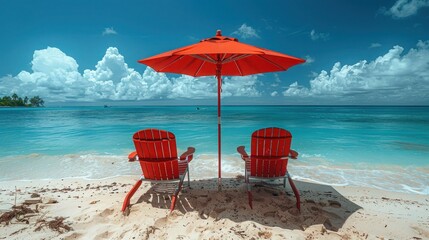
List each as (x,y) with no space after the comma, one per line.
(219,142)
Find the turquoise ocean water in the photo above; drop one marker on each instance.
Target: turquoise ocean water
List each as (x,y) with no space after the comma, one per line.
(382,147)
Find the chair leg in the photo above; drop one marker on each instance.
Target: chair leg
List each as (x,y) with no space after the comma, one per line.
(174,198)
(249,193)
(295,191)
(246,174)
(176,192)
(173,202)
(126,203)
(189,179)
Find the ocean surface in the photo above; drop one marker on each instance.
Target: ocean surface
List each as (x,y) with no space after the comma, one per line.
(381,147)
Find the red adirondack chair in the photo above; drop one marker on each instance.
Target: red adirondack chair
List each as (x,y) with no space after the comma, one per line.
(270,152)
(157,154)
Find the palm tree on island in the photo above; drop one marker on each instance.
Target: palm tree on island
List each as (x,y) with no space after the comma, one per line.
(16,101)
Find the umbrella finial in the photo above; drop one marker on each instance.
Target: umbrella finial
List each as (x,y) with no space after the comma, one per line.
(218,33)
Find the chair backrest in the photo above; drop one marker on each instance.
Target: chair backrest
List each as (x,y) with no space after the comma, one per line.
(157,153)
(267,146)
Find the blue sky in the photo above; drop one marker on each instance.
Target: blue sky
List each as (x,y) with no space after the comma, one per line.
(86,52)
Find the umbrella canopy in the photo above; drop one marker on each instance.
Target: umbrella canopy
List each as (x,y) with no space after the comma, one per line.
(220,53)
(220,56)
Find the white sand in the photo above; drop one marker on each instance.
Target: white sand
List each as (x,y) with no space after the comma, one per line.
(92,210)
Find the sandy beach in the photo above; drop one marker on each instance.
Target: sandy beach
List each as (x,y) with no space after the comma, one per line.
(90,209)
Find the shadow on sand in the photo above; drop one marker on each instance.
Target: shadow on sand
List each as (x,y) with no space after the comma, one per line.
(320,204)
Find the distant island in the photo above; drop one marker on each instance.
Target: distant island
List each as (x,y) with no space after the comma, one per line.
(16,101)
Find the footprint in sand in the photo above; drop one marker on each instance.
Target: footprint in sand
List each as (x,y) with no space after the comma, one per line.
(219,209)
(334,204)
(270,214)
(214,213)
(107,212)
(160,222)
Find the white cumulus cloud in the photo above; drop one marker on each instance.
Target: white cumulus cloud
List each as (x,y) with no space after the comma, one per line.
(394,77)
(241,86)
(55,77)
(406,8)
(109,31)
(54,73)
(245,32)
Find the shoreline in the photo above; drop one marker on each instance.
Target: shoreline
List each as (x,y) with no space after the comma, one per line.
(92,209)
(395,178)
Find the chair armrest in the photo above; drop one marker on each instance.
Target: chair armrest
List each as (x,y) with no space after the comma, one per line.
(132,157)
(293,154)
(243,153)
(189,154)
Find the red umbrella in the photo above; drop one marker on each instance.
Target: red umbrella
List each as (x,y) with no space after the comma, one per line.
(220,56)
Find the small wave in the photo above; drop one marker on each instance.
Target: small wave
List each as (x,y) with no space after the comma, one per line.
(312,168)
(84,165)
(387,177)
